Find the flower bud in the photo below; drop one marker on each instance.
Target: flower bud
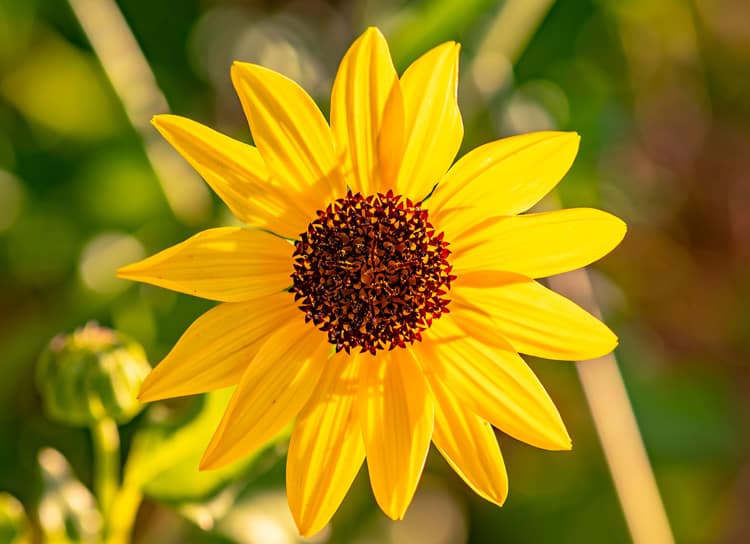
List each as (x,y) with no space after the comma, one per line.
(14,525)
(92,374)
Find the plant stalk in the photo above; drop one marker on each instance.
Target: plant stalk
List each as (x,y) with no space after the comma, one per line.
(106,440)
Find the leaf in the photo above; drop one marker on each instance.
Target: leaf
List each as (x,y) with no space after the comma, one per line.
(167,449)
(425,24)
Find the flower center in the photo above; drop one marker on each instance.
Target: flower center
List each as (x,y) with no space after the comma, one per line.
(371,272)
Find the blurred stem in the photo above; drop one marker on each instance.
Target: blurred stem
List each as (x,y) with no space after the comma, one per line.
(122,517)
(135,84)
(118,505)
(106,463)
(617,428)
(423,24)
(513,27)
(508,35)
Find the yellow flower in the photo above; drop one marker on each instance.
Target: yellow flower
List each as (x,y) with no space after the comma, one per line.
(381,314)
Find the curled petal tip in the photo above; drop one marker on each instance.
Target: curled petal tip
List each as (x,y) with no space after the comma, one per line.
(305,527)
(246,67)
(165,120)
(148,393)
(144,395)
(126,272)
(614,342)
(373,30)
(213,458)
(618,229)
(562,440)
(208,461)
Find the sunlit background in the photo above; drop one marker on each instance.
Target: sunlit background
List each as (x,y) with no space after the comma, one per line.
(659,92)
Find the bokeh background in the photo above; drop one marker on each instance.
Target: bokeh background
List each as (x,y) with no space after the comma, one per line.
(660,94)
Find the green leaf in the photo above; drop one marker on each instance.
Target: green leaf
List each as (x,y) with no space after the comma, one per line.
(167,450)
(422,26)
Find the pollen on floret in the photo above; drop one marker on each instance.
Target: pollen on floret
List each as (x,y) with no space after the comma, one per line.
(372,272)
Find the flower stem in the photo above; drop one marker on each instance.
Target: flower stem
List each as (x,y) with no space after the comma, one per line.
(106,463)
(122,516)
(117,504)
(618,430)
(131,77)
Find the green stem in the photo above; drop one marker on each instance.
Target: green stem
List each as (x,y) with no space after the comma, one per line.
(118,504)
(122,517)
(106,463)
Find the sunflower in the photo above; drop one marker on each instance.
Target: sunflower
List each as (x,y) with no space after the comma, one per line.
(378,295)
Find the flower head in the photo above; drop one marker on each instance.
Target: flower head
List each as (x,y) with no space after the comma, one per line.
(379,295)
(91,374)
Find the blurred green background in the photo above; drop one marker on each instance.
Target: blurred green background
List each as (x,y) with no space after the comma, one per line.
(660,94)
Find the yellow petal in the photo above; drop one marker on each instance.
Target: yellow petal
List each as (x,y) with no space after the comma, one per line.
(237,173)
(275,386)
(532,318)
(364,82)
(495,383)
(469,445)
(326,449)
(504,177)
(229,264)
(539,244)
(289,130)
(397,418)
(391,141)
(216,349)
(433,129)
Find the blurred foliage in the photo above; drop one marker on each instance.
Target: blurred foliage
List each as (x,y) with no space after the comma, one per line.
(67,509)
(657,93)
(14,525)
(167,449)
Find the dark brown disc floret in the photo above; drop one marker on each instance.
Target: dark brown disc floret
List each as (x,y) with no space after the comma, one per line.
(372,272)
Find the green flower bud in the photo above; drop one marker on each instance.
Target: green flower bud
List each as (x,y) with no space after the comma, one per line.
(14,525)
(92,374)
